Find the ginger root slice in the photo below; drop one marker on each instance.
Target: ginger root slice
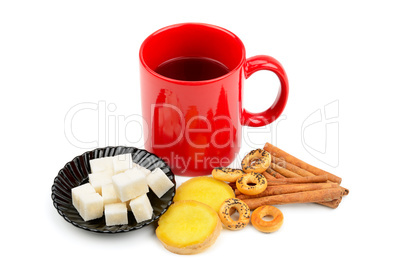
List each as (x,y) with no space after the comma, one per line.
(188,227)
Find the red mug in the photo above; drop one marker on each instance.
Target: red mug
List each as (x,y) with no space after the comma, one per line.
(195,124)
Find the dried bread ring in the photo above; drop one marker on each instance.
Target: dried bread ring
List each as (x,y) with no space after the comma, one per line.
(267,226)
(257,160)
(227,174)
(243,184)
(225,210)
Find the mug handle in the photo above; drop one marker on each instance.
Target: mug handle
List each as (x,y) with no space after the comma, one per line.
(258,63)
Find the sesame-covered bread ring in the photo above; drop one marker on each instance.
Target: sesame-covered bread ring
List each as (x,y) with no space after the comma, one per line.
(257,160)
(251,183)
(225,210)
(227,174)
(267,226)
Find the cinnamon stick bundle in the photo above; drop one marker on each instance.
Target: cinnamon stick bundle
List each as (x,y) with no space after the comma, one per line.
(323,195)
(276,152)
(291,180)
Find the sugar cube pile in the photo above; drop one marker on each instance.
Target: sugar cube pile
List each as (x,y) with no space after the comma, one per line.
(117,186)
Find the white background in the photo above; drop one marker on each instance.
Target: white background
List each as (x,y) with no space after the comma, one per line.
(345,56)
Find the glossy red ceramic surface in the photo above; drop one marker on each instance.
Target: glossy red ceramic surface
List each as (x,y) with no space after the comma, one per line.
(196,125)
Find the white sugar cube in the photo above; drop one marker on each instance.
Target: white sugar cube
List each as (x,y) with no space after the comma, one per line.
(104,164)
(159,182)
(138,176)
(116,214)
(143,169)
(97,180)
(141,208)
(91,206)
(109,194)
(125,186)
(78,191)
(122,162)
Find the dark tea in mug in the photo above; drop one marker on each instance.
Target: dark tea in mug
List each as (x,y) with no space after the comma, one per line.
(192,68)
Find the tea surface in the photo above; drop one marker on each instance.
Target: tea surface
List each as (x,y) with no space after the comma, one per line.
(192,68)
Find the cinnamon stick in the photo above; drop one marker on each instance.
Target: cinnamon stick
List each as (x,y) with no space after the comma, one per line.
(331,204)
(268,176)
(324,195)
(295,169)
(271,180)
(283,171)
(345,191)
(276,182)
(287,188)
(312,179)
(275,151)
(273,173)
